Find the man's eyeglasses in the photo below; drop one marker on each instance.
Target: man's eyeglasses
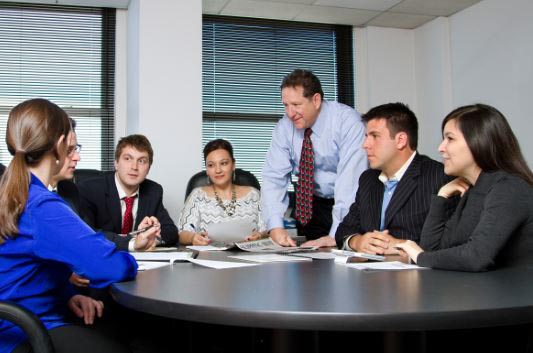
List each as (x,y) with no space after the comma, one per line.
(72,149)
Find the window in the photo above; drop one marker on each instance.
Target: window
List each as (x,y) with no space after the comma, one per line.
(244,62)
(66,55)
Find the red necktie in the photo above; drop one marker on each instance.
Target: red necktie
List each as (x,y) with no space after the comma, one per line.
(304,191)
(127,220)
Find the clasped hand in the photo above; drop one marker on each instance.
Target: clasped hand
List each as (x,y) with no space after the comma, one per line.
(376,242)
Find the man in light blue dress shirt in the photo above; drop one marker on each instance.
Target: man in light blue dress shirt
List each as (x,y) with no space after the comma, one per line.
(339,159)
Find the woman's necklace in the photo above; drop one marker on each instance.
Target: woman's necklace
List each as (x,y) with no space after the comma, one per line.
(230,208)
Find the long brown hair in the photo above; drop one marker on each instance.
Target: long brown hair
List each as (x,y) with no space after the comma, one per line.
(490,139)
(33,129)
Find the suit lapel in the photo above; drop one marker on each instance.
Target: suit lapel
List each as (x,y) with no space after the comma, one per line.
(113,202)
(405,188)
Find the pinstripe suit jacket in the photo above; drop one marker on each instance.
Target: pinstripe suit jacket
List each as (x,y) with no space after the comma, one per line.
(408,206)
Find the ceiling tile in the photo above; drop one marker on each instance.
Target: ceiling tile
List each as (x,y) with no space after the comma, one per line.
(336,15)
(433,7)
(399,20)
(262,9)
(213,7)
(377,5)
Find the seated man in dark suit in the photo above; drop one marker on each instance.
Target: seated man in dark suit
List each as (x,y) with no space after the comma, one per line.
(393,197)
(119,202)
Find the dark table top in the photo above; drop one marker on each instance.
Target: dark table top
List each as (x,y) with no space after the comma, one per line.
(322,295)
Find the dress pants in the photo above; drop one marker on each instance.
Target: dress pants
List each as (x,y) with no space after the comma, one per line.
(321,222)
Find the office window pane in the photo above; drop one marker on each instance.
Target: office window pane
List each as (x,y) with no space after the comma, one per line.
(244,61)
(66,55)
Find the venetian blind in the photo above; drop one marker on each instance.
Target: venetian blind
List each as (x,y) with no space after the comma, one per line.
(66,55)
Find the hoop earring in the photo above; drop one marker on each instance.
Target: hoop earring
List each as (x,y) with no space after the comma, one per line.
(208,180)
(234,177)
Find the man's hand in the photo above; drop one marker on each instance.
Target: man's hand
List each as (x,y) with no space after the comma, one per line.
(280,236)
(78,280)
(375,242)
(147,239)
(322,242)
(85,307)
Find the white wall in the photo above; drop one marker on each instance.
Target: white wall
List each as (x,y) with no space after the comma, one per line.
(433,82)
(385,70)
(492,61)
(164,89)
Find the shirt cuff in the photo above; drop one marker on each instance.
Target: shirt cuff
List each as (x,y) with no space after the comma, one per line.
(345,246)
(131,245)
(276,222)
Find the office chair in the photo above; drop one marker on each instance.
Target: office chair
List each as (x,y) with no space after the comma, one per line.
(38,336)
(84,174)
(242,177)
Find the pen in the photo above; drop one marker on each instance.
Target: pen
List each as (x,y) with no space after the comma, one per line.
(139,231)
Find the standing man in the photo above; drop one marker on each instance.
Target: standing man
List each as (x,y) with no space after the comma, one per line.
(320,141)
(124,200)
(394,195)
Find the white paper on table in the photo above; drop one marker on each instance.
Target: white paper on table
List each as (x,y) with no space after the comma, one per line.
(219,264)
(162,256)
(148,265)
(207,248)
(164,248)
(386,266)
(316,255)
(269,258)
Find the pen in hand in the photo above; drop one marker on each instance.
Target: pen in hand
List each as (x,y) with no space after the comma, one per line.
(139,231)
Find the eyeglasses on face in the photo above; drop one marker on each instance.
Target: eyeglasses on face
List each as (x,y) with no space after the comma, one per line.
(71,149)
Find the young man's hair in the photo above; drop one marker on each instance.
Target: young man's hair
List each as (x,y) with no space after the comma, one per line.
(399,119)
(137,141)
(306,79)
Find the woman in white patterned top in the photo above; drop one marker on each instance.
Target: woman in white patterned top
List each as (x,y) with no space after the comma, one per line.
(221,200)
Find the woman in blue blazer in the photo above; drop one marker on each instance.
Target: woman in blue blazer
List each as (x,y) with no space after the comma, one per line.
(42,241)
(493,222)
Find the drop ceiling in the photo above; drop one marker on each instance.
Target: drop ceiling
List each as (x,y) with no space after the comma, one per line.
(406,14)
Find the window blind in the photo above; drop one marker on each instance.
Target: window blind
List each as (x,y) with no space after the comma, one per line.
(66,55)
(244,62)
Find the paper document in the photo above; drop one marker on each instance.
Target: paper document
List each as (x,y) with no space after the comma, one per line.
(344,254)
(269,258)
(316,255)
(269,246)
(219,264)
(230,232)
(164,248)
(207,247)
(148,265)
(162,256)
(387,266)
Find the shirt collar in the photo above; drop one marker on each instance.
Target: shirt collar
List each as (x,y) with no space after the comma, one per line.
(320,122)
(121,192)
(399,174)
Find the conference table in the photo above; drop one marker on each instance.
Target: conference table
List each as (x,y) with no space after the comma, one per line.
(327,296)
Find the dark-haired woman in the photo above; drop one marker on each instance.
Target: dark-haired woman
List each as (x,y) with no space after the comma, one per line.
(42,241)
(221,200)
(493,223)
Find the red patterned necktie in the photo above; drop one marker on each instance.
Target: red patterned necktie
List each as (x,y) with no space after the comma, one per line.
(127,220)
(304,191)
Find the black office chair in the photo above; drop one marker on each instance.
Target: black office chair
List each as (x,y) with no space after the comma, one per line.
(38,336)
(242,177)
(84,174)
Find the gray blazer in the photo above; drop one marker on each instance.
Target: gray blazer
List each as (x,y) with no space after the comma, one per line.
(492,225)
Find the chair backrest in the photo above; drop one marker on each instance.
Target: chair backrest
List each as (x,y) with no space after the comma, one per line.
(242,177)
(84,174)
(38,336)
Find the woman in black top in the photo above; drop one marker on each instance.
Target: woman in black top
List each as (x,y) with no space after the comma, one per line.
(493,222)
